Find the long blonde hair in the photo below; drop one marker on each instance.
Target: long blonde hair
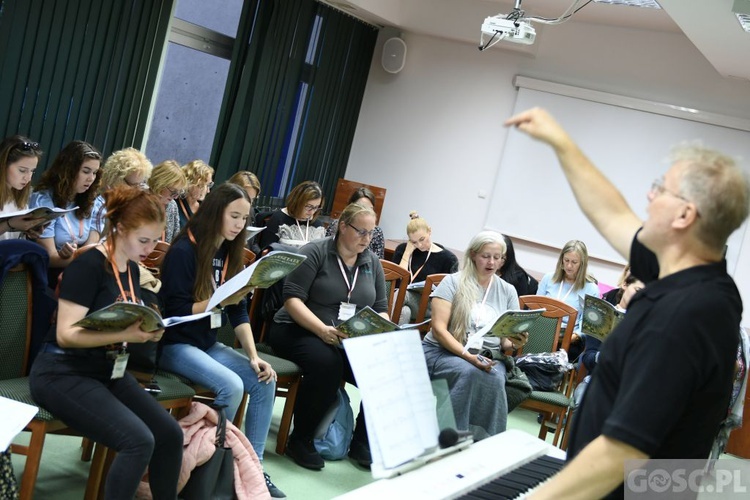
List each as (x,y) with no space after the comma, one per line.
(583,275)
(468,284)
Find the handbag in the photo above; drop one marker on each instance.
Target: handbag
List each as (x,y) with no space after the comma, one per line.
(214,479)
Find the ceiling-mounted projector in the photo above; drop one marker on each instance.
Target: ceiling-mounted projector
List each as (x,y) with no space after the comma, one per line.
(507,29)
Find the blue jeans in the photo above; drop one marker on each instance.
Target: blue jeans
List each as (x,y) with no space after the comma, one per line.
(229,375)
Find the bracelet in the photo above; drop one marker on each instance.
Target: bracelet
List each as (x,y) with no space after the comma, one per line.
(9,226)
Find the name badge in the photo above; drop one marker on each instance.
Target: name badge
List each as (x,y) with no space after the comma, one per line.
(346,310)
(121,362)
(215,319)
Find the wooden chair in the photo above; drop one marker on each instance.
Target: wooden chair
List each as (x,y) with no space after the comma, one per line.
(155,258)
(544,336)
(395,274)
(431,281)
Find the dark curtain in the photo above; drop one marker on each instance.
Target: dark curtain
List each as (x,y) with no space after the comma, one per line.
(294,91)
(79,69)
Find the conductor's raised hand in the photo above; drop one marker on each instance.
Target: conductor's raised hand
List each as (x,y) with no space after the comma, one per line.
(539,124)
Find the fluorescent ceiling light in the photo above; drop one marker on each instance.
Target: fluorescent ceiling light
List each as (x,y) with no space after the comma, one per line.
(649,4)
(741,9)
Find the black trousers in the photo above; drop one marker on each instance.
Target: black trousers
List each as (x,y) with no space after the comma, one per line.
(323,368)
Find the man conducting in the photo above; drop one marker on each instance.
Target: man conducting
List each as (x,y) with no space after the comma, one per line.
(664,378)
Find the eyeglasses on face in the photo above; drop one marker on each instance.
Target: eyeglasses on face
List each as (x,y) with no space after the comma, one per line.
(141,185)
(312,208)
(207,185)
(362,232)
(658,189)
(174,194)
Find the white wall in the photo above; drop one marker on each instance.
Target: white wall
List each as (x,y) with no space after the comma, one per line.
(432,135)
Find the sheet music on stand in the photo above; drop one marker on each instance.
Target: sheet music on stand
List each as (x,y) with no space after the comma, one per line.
(397,397)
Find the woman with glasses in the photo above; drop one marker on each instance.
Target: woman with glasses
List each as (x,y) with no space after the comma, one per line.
(18,160)
(421,257)
(296,223)
(339,277)
(570,282)
(71,181)
(127,166)
(168,182)
(513,273)
(365,197)
(198,175)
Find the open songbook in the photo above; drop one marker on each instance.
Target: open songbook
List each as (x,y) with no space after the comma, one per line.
(367,322)
(45,213)
(120,315)
(599,317)
(262,273)
(511,323)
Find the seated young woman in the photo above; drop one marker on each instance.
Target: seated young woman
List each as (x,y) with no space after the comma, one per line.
(570,282)
(296,223)
(71,181)
(168,182)
(421,257)
(206,253)
(79,374)
(339,276)
(462,304)
(19,157)
(513,273)
(363,196)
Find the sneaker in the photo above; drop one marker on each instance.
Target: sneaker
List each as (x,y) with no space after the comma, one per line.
(303,452)
(359,451)
(272,489)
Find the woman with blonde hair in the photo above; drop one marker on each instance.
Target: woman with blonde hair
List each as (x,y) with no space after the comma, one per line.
(198,175)
(168,182)
(570,282)
(19,157)
(365,197)
(126,166)
(296,224)
(421,257)
(249,182)
(462,304)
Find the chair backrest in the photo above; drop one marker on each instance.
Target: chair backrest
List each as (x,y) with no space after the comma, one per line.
(432,280)
(544,335)
(15,322)
(393,275)
(248,257)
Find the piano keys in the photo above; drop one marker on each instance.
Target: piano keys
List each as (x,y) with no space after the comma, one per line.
(465,472)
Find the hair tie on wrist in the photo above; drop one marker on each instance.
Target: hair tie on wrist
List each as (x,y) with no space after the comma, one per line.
(9,226)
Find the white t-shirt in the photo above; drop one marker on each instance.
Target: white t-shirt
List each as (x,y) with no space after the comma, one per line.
(9,208)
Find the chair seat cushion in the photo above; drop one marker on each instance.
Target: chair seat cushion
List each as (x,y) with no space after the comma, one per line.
(172,388)
(555,398)
(18,389)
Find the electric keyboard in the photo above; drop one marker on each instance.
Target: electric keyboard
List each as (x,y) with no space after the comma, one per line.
(463,474)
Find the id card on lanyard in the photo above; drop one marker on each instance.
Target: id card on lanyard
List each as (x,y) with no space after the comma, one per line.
(347,309)
(120,356)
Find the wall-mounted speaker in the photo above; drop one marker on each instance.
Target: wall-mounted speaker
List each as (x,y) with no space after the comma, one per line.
(394,55)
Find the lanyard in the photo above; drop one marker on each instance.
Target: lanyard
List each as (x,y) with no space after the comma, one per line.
(111,259)
(307,229)
(349,287)
(70,229)
(224,269)
(479,312)
(559,291)
(414,275)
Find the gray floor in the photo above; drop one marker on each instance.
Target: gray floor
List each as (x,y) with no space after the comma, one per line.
(63,475)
